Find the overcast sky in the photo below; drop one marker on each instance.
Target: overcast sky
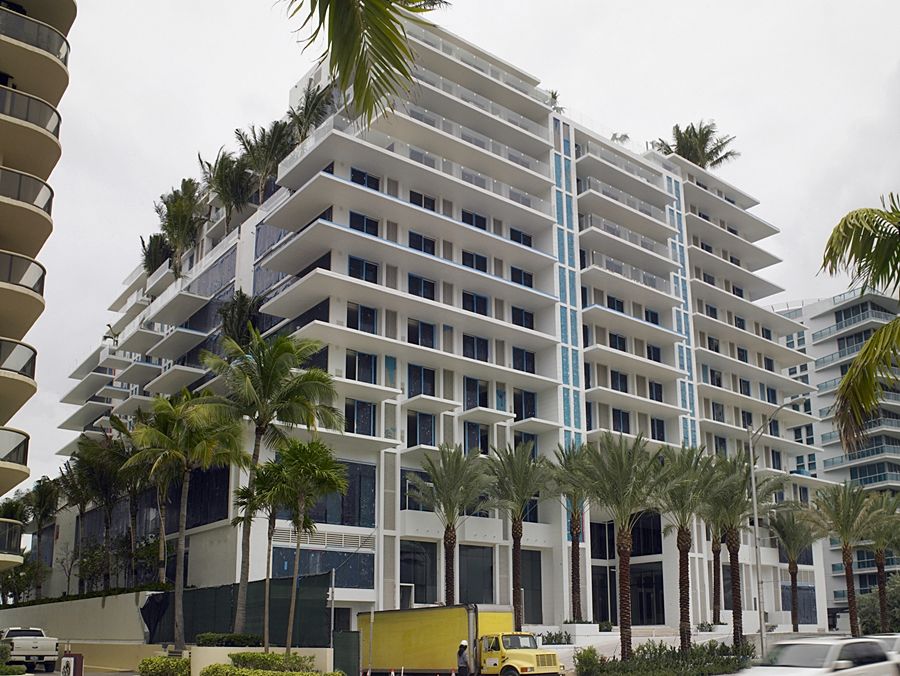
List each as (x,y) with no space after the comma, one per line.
(810,88)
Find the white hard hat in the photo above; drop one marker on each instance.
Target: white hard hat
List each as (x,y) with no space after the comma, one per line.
(464,642)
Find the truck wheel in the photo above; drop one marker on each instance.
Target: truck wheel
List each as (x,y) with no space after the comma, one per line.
(509,671)
(30,667)
(50,666)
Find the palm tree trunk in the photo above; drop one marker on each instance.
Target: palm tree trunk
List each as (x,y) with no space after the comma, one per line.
(107,569)
(289,639)
(717,579)
(795,596)
(882,590)
(161,556)
(38,580)
(575,563)
(81,513)
(449,565)
(847,557)
(132,528)
(179,563)
(623,549)
(271,537)
(240,606)
(684,588)
(733,542)
(518,610)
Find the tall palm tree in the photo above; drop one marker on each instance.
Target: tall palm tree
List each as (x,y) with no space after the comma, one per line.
(312,111)
(457,485)
(711,512)
(366,46)
(683,483)
(154,252)
(619,479)
(312,473)
(43,500)
(267,381)
(181,218)
(568,470)
(884,533)
(866,245)
(193,433)
(795,537)
(228,179)
(237,313)
(847,512)
(263,149)
(518,479)
(75,493)
(699,143)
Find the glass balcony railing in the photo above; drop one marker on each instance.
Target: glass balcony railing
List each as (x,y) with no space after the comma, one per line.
(851,321)
(847,295)
(476,62)
(625,198)
(475,138)
(861,454)
(27,108)
(836,356)
(13,446)
(27,189)
(593,221)
(883,477)
(10,537)
(828,385)
(17,357)
(35,33)
(622,163)
(631,272)
(22,271)
(871,424)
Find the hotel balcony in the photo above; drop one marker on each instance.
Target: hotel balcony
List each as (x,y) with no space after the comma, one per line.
(34,124)
(132,404)
(884,480)
(21,293)
(707,204)
(485,415)
(160,279)
(870,319)
(787,386)
(755,288)
(787,417)
(637,327)
(141,371)
(39,51)
(139,335)
(731,302)
(624,280)
(13,458)
(425,403)
(176,304)
(176,342)
(890,426)
(623,208)
(89,385)
(612,167)
(629,401)
(174,378)
(879,451)
(10,544)
(88,414)
(26,203)
(842,356)
(365,391)
(784,356)
(631,363)
(17,385)
(720,237)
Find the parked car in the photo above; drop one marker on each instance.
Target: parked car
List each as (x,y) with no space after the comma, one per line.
(891,643)
(813,656)
(30,646)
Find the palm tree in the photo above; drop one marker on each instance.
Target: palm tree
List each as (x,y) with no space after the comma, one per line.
(263,151)
(237,313)
(568,483)
(457,485)
(866,245)
(228,179)
(154,252)
(310,112)
(699,144)
(683,484)
(75,493)
(266,381)
(181,218)
(43,501)
(193,433)
(847,512)
(554,102)
(366,46)
(883,534)
(518,478)
(795,537)
(711,512)
(312,472)
(619,479)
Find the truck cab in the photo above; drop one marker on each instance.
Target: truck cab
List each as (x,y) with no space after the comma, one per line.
(509,654)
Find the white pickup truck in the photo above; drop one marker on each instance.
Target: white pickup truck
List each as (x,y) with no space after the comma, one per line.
(30,646)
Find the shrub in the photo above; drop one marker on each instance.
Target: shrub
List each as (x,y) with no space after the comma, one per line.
(164,666)
(273,661)
(229,640)
(11,669)
(556,638)
(229,670)
(4,652)
(605,626)
(705,626)
(659,659)
(869,619)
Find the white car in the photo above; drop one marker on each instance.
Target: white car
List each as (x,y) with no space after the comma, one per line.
(813,656)
(891,643)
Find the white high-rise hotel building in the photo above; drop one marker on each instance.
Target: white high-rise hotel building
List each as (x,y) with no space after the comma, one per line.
(481,271)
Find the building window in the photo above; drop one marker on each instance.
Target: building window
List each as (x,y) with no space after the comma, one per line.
(614,303)
(520,276)
(711,311)
(774,429)
(523,360)
(359,417)
(658,429)
(740,323)
(419,429)
(476,574)
(476,303)
(621,421)
(354,508)
(811,462)
(744,387)
(523,438)
(618,381)
(421,243)
(769,364)
(766,333)
(361,366)
(475,220)
(618,342)
(746,419)
(776,459)
(474,261)
(654,353)
(709,279)
(409,494)
(420,379)
(771,395)
(647,594)
(718,412)
(737,291)
(363,223)
(419,333)
(743,355)
(418,568)
(419,286)
(475,347)
(651,316)
(522,317)
(362,318)
(477,438)
(476,393)
(655,391)
(421,200)
(364,178)
(353,570)
(646,536)
(520,237)
(721,446)
(715,378)
(524,404)
(364,270)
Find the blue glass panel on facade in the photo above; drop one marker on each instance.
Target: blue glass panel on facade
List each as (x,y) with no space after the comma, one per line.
(574,317)
(568,175)
(567,408)
(571,240)
(576,369)
(353,570)
(557,164)
(559,207)
(560,246)
(563,324)
(570,219)
(564,351)
(568,436)
(562,285)
(577,405)
(501,399)
(573,288)
(567,147)
(390,371)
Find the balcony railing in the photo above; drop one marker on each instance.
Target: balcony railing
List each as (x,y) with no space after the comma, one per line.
(828,437)
(25,188)
(17,357)
(625,198)
(829,384)
(851,321)
(893,477)
(10,537)
(872,451)
(463,133)
(476,62)
(622,163)
(836,356)
(35,33)
(29,108)
(630,272)
(13,446)
(593,221)
(21,271)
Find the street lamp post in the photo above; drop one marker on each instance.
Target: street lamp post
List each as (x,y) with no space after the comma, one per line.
(752,436)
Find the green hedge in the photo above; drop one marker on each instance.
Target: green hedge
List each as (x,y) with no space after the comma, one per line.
(229,670)
(274,662)
(152,586)
(229,640)
(11,669)
(659,659)
(164,666)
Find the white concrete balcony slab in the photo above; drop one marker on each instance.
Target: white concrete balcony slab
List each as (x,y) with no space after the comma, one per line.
(637,327)
(601,234)
(140,372)
(631,363)
(86,414)
(40,52)
(175,305)
(719,237)
(751,227)
(13,458)
(612,167)
(139,336)
(485,415)
(729,365)
(88,387)
(535,425)
(177,342)
(755,288)
(114,391)
(628,401)
(112,358)
(17,384)
(624,280)
(160,279)
(597,435)
(725,300)
(174,379)
(358,389)
(787,416)
(425,403)
(133,404)
(783,355)
(605,200)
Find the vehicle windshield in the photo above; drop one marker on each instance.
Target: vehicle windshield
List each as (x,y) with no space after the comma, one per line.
(517,641)
(20,633)
(796,655)
(887,642)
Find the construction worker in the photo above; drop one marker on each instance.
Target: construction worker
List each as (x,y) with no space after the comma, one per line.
(462,658)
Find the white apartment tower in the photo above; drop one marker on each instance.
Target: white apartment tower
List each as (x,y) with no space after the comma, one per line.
(482,271)
(833,332)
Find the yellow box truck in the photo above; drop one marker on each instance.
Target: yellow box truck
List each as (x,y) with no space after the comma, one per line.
(425,641)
